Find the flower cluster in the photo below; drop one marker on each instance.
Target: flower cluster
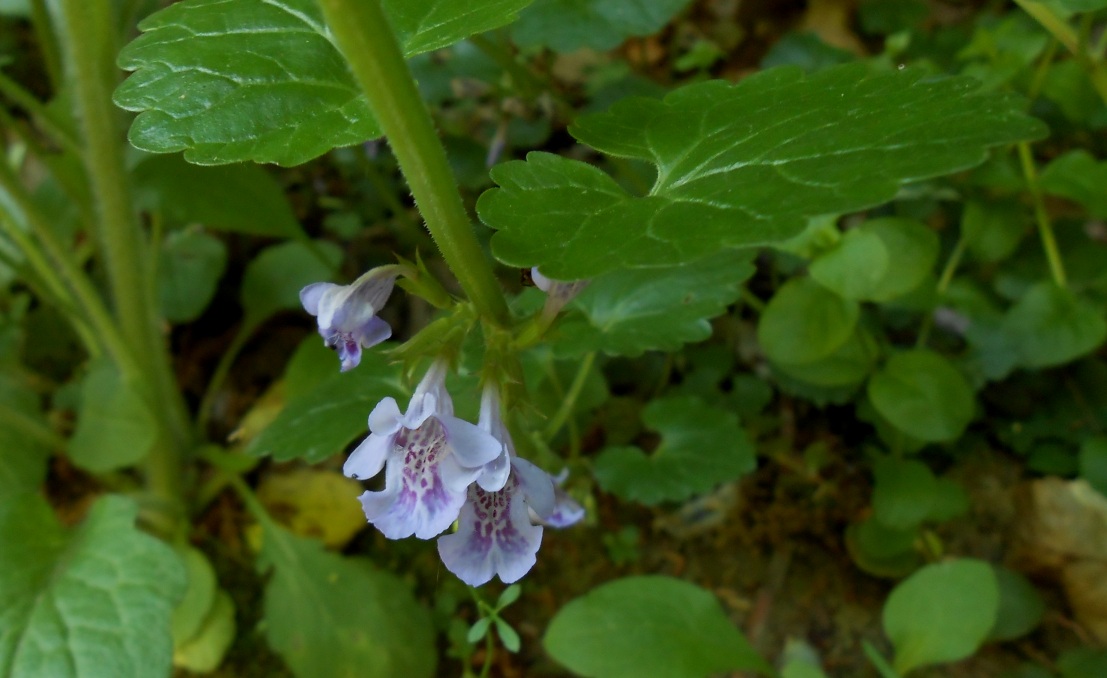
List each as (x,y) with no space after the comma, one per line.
(440,469)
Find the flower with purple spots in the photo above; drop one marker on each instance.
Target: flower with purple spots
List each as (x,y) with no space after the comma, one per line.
(497,534)
(347,314)
(431,456)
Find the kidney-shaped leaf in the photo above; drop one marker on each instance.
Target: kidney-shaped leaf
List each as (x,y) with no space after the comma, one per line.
(741,165)
(649,626)
(232,80)
(1050,325)
(941,613)
(700,447)
(922,394)
(805,322)
(92,602)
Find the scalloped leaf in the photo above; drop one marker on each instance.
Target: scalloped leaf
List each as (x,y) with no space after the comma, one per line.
(701,446)
(741,165)
(232,80)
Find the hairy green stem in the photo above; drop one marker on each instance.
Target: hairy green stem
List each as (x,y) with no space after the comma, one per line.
(1045,227)
(363,35)
(88,33)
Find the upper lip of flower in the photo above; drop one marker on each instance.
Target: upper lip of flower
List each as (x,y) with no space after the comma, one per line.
(347,314)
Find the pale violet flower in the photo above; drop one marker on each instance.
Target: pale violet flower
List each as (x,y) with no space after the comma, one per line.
(496,533)
(347,314)
(558,293)
(431,458)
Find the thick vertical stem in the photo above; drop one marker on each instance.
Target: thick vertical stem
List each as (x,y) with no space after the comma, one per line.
(87,34)
(365,38)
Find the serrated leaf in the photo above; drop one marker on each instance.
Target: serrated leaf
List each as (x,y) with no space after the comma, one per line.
(629,312)
(568,25)
(239,198)
(923,395)
(94,601)
(190,265)
(700,448)
(649,626)
(942,613)
(323,421)
(273,279)
(805,322)
(115,427)
(327,615)
(1050,325)
(741,165)
(232,80)
(426,25)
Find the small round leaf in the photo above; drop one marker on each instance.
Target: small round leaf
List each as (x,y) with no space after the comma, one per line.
(922,394)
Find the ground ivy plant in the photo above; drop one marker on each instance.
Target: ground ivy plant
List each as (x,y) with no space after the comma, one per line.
(850,234)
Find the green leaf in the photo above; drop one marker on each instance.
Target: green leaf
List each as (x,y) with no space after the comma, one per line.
(741,165)
(94,601)
(23,462)
(805,322)
(993,230)
(912,250)
(115,427)
(426,25)
(508,636)
(1093,462)
(922,394)
(632,311)
(648,626)
(847,366)
(568,25)
(232,80)
(327,615)
(1077,175)
(854,266)
(199,596)
(1050,325)
(700,448)
(903,493)
(1020,606)
(239,198)
(273,280)
(942,613)
(204,652)
(190,265)
(323,421)
(882,551)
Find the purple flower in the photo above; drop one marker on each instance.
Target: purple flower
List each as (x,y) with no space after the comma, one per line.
(431,456)
(496,533)
(347,314)
(557,293)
